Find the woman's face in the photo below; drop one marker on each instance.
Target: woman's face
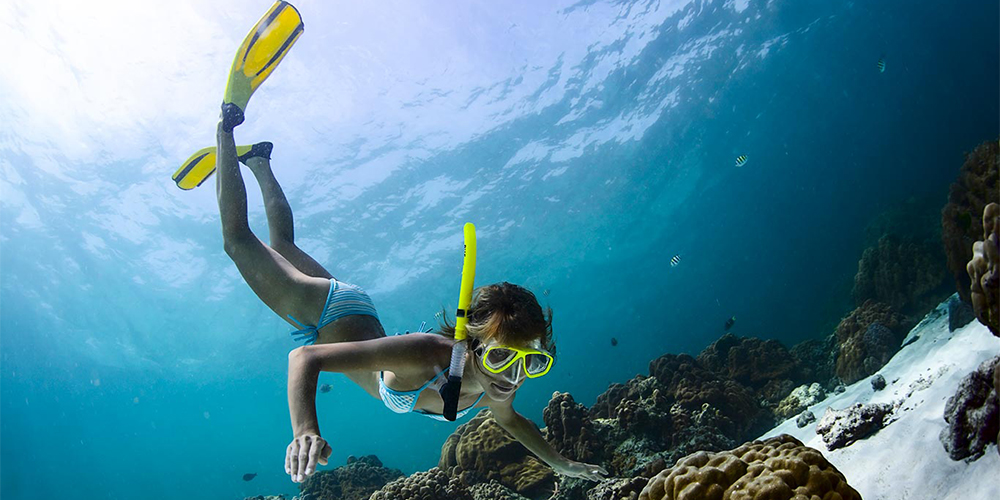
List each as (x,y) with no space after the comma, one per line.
(499,386)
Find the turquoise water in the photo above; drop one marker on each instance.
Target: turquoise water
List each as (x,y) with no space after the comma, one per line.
(590,142)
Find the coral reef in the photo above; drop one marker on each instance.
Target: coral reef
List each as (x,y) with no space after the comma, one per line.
(780,467)
(902,272)
(868,337)
(817,359)
(800,398)
(750,361)
(493,490)
(434,484)
(984,271)
(269,497)
(973,414)
(483,447)
(843,427)
(975,187)
(569,430)
(355,481)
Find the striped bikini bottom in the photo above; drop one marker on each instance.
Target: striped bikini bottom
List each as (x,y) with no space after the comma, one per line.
(344,299)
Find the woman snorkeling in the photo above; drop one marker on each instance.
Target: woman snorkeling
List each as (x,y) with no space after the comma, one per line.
(510,338)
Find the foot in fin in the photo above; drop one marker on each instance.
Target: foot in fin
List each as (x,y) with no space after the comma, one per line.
(201,165)
(261,149)
(261,51)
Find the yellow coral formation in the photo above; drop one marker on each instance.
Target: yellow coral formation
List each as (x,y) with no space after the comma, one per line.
(777,468)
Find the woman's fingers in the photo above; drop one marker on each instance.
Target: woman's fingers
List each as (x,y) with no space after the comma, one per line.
(293,460)
(303,457)
(325,456)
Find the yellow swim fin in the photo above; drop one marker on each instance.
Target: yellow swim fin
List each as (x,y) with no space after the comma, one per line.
(258,55)
(201,165)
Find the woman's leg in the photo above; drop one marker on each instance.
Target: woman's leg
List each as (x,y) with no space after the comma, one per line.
(279,220)
(276,281)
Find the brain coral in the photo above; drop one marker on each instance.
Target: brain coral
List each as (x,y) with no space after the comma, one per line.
(777,468)
(975,187)
(984,271)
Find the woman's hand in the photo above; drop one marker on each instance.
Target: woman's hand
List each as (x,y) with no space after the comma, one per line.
(303,454)
(581,470)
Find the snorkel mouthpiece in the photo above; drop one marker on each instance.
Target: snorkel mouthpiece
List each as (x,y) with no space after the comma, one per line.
(451,390)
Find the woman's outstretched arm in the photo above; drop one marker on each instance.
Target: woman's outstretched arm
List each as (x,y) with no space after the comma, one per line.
(527,433)
(308,449)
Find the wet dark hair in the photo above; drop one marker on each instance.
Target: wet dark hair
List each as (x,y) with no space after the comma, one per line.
(508,314)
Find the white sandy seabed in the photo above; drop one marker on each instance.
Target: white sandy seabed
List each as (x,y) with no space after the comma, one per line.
(905,460)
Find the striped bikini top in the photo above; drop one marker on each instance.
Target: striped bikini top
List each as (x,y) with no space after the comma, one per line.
(404,401)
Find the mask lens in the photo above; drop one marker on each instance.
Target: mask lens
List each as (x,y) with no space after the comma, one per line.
(536,363)
(497,357)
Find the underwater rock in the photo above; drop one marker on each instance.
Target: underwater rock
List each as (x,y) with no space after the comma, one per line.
(903,272)
(268,497)
(780,467)
(868,338)
(984,271)
(355,481)
(805,418)
(878,383)
(482,446)
(748,360)
(434,484)
(959,314)
(840,428)
(961,222)
(973,414)
(800,398)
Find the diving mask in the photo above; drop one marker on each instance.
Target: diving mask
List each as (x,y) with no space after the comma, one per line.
(500,359)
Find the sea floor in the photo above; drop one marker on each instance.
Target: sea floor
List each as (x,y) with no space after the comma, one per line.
(906,460)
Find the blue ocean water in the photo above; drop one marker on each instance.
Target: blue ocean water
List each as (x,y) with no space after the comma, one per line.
(589,141)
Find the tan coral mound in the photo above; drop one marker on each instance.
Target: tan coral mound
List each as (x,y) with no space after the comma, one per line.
(482,446)
(984,271)
(777,468)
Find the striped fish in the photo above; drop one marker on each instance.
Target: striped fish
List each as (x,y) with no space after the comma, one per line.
(881,64)
(741,160)
(676,259)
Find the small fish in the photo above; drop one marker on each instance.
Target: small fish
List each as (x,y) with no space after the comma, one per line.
(437,314)
(741,160)
(248,477)
(676,259)
(545,292)
(730,322)
(323,388)
(614,341)
(881,64)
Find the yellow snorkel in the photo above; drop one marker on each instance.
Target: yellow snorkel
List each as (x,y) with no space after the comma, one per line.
(453,388)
